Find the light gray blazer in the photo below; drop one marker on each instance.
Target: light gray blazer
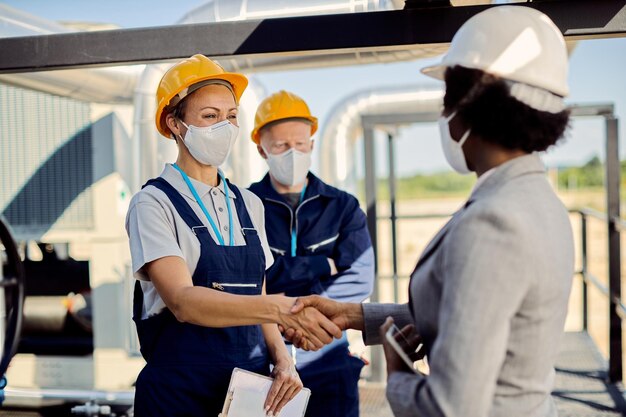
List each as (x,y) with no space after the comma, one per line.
(489,296)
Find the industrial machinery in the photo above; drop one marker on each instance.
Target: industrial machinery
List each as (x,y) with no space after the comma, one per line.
(11,298)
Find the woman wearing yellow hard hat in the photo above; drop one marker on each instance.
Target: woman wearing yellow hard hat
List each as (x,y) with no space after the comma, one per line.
(199,254)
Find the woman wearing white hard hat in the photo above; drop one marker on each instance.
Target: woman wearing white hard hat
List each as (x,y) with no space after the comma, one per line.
(489,295)
(199,252)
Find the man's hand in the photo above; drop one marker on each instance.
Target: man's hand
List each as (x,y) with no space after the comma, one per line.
(343,315)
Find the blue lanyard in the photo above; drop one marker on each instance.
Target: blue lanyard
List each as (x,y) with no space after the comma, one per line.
(294,237)
(206,212)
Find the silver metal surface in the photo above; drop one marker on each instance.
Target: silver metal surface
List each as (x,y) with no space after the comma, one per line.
(342,131)
(36,398)
(102,85)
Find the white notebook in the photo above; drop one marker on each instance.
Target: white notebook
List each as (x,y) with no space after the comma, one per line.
(247,392)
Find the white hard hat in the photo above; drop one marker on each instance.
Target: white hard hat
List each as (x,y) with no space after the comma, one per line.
(516,43)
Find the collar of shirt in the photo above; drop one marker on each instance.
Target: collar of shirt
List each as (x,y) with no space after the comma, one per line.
(171,175)
(481,180)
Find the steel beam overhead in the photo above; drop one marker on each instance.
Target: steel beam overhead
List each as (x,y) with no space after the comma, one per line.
(373,31)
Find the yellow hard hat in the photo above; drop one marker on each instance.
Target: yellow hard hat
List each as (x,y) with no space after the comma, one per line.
(174,86)
(279,106)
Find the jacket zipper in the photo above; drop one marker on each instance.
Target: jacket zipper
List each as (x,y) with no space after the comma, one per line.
(291,214)
(314,247)
(221,285)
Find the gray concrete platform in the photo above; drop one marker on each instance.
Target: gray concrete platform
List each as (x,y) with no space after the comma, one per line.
(581,389)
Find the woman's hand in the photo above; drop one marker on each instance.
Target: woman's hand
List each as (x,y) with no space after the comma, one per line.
(413,340)
(286,385)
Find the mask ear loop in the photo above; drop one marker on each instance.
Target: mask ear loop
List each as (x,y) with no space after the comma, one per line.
(451,116)
(465,135)
(184,124)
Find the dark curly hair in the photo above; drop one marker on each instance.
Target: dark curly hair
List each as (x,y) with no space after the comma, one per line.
(485,105)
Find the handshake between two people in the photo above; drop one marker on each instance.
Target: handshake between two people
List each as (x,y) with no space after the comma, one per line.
(314,321)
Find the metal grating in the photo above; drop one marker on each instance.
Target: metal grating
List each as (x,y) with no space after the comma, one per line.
(46,148)
(581,388)
(372,401)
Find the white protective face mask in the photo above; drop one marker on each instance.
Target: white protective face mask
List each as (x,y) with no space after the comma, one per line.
(452,149)
(290,167)
(211,145)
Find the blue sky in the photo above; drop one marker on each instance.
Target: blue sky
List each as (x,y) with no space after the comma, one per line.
(596,76)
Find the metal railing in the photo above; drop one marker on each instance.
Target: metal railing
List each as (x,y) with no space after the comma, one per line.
(589,278)
(617,306)
(617,310)
(612,219)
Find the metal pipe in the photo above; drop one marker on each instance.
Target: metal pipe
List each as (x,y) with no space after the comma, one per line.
(343,129)
(584,260)
(146,148)
(43,397)
(377,371)
(237,10)
(613,211)
(393,218)
(101,85)
(370,196)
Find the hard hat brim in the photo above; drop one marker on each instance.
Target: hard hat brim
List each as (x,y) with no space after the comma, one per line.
(435,71)
(256,132)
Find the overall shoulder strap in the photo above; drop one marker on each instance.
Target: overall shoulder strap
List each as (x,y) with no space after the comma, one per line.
(245,221)
(182,207)
(240,204)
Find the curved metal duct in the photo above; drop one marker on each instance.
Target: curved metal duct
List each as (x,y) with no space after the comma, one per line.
(342,131)
(102,85)
(149,151)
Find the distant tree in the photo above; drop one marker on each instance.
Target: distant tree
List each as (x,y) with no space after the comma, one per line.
(590,175)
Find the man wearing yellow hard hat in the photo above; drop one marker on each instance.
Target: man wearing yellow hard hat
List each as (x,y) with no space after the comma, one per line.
(318,236)
(199,254)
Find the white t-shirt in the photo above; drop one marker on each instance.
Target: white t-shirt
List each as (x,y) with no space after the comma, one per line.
(156,230)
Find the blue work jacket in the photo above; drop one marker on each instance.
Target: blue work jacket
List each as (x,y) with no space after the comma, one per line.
(329,224)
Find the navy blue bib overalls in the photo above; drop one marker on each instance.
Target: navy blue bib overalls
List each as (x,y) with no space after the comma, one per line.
(188,366)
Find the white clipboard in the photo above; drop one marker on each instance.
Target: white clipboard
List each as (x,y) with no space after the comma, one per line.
(247,392)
